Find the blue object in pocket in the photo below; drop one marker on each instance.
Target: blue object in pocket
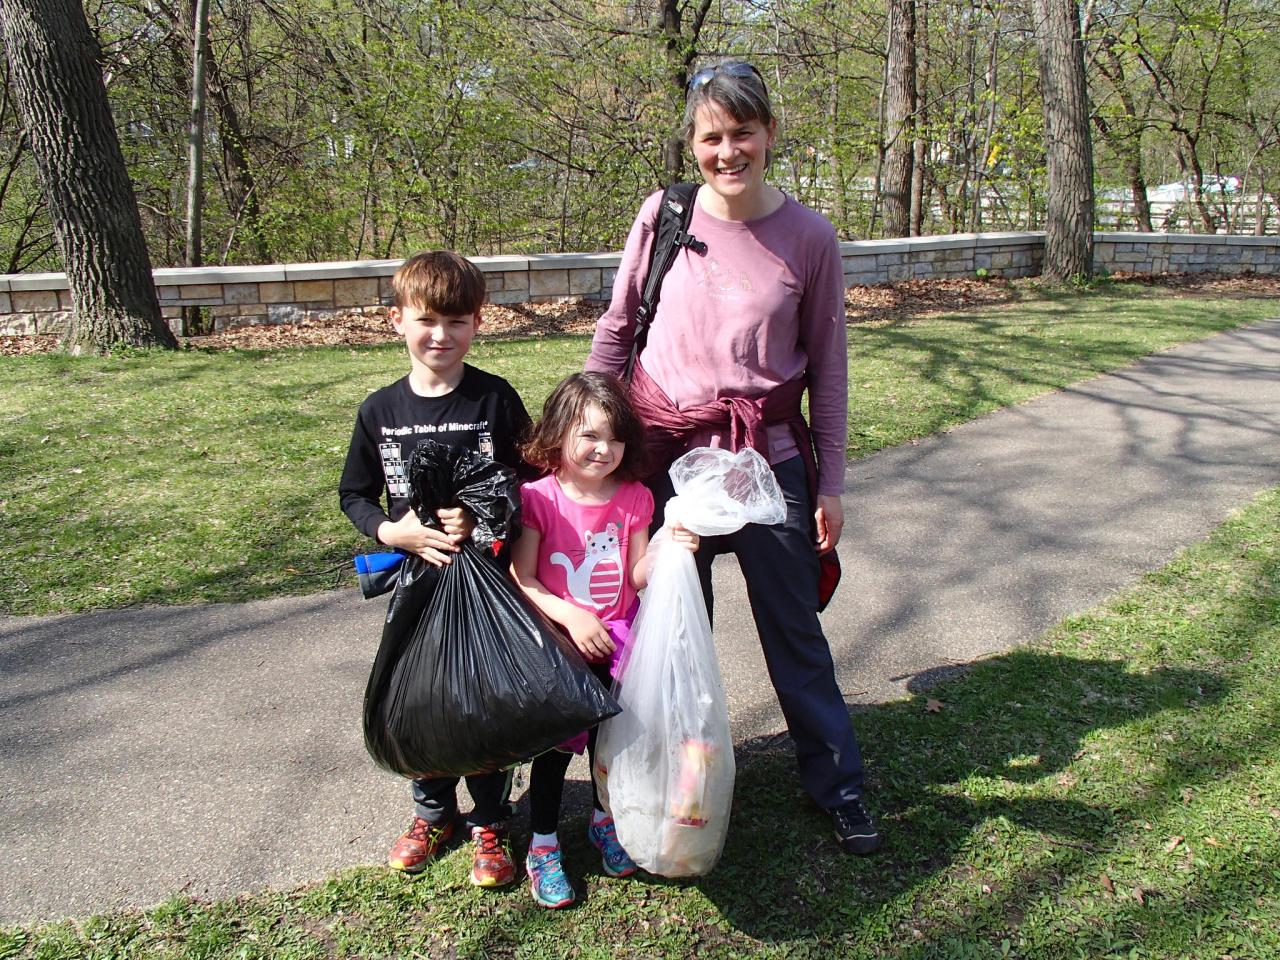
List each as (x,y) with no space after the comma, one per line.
(378,572)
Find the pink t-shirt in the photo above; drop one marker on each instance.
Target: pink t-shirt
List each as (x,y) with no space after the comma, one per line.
(582,554)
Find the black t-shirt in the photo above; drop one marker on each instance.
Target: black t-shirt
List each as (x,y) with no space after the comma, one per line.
(482,413)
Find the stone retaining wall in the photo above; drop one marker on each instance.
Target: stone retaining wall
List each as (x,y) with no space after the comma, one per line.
(40,303)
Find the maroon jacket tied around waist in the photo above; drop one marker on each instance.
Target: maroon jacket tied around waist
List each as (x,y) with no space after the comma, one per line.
(668,431)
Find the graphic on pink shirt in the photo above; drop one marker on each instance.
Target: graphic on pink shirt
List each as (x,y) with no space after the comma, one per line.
(720,281)
(583,548)
(598,581)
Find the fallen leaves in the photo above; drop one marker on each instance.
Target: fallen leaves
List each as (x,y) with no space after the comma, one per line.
(1173,844)
(934,706)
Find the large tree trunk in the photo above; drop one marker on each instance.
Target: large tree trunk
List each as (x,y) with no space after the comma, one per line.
(900,110)
(54,69)
(1068,244)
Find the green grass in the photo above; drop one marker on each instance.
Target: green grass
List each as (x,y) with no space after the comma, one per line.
(155,478)
(1111,790)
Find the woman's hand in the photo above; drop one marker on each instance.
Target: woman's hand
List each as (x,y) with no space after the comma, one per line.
(408,533)
(588,634)
(829,519)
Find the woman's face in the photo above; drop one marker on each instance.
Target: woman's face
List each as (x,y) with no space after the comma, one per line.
(730,153)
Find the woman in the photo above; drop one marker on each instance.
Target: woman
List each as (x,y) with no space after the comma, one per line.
(741,330)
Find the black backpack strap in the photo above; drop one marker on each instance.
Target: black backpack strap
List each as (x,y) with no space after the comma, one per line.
(670,233)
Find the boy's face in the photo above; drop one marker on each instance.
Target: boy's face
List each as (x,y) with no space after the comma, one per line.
(435,342)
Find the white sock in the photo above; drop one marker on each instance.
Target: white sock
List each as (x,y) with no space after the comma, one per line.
(598,817)
(544,840)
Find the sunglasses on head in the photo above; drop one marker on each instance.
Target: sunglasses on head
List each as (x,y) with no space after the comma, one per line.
(734,68)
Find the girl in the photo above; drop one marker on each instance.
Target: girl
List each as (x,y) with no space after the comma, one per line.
(748,323)
(581,558)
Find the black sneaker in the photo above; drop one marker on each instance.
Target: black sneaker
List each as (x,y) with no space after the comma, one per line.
(855,830)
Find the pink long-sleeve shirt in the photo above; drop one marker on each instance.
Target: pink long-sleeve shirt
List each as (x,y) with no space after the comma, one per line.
(764,306)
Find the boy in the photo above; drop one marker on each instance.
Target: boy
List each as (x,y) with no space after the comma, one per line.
(436,309)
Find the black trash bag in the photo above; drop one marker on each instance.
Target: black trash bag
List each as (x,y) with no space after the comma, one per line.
(470,677)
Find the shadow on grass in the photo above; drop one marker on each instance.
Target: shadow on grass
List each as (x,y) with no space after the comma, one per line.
(952,787)
(985,784)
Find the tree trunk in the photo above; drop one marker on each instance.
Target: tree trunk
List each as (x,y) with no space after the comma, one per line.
(682,50)
(195,135)
(919,149)
(54,69)
(1068,244)
(900,109)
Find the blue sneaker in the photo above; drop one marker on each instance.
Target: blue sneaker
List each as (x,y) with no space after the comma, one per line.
(604,837)
(547,882)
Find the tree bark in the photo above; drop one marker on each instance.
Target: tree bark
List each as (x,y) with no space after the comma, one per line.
(195,135)
(1068,244)
(54,69)
(900,110)
(920,147)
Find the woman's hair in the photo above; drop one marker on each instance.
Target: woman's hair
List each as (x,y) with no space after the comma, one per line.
(566,408)
(734,86)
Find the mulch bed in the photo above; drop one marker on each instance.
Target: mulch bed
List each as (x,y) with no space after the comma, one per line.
(882,302)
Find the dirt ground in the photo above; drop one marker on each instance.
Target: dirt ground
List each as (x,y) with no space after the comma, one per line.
(883,302)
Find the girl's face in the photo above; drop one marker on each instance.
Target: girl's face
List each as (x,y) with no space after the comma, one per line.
(589,451)
(731,153)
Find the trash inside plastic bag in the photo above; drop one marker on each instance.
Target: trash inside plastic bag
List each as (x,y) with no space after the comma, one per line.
(470,677)
(664,766)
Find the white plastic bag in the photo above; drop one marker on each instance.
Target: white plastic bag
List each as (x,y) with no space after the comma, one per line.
(664,765)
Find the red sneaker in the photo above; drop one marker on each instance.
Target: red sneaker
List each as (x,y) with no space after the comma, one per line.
(419,845)
(492,866)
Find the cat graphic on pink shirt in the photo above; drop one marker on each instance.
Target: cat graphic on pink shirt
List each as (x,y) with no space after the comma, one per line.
(597,582)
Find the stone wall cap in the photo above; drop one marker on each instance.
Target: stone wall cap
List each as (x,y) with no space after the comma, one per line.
(188,276)
(573,261)
(501,263)
(1222,239)
(37,281)
(948,241)
(341,270)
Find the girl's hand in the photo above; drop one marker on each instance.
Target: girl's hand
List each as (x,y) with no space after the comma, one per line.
(589,635)
(685,537)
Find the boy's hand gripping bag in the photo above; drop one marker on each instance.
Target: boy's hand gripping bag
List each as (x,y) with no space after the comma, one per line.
(664,766)
(470,677)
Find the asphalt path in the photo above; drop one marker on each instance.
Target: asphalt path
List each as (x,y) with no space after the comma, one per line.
(213,750)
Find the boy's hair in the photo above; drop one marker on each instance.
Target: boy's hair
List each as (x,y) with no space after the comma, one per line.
(565,409)
(440,281)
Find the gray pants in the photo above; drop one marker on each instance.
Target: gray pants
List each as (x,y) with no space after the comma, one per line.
(436,800)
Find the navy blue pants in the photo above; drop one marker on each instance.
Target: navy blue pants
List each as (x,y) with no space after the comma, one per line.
(780,566)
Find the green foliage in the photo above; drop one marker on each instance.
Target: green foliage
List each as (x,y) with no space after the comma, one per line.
(342,129)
